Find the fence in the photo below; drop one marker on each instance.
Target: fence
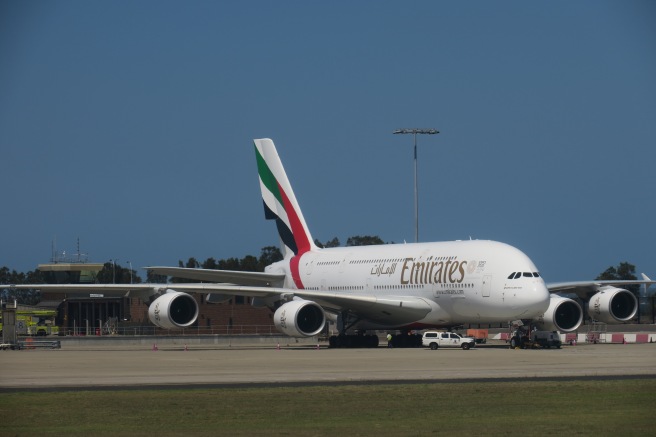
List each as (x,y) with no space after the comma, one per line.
(191,331)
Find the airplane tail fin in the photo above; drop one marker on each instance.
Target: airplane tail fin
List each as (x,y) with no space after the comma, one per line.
(280,202)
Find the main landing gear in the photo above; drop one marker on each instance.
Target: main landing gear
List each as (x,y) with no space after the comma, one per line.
(403,339)
(359,340)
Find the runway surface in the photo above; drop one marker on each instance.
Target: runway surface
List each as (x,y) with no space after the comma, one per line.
(139,367)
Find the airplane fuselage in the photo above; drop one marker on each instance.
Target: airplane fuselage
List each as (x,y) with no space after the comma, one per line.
(462,281)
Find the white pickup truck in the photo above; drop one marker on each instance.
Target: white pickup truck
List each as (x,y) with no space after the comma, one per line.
(436,339)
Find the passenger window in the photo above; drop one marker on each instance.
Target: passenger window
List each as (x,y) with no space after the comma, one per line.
(454,336)
(445,335)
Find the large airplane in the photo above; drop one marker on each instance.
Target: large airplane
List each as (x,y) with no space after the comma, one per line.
(406,286)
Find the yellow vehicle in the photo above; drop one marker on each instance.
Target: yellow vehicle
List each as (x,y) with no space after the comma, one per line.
(35,322)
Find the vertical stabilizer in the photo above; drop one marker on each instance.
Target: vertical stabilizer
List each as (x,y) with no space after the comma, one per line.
(280,202)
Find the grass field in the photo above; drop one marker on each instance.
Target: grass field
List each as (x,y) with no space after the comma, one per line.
(599,408)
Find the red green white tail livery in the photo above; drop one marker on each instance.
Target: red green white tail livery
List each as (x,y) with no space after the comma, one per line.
(280,202)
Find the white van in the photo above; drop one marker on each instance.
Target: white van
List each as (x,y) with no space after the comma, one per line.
(437,339)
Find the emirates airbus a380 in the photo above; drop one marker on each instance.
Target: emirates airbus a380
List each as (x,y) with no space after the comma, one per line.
(391,287)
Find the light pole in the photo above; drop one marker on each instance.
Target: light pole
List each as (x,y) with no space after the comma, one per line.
(113,270)
(414,132)
(130,264)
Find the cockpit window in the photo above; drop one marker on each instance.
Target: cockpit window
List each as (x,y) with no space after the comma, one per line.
(517,275)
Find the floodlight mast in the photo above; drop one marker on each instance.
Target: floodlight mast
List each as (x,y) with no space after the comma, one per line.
(414,132)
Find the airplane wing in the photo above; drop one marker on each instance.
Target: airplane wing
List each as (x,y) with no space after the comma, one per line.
(225,276)
(118,290)
(146,290)
(586,289)
(388,309)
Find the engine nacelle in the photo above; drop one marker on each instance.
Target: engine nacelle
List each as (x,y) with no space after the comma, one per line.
(173,309)
(563,314)
(299,318)
(613,305)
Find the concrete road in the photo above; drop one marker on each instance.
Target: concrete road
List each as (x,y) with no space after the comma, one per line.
(289,365)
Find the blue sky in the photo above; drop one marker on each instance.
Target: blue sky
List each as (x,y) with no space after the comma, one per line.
(129,125)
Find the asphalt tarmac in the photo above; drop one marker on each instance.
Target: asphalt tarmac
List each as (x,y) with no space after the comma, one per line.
(123,368)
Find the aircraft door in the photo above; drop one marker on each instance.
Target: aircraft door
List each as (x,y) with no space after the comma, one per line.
(487,285)
(309,263)
(344,262)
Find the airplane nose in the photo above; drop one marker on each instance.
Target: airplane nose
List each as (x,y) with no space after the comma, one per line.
(540,294)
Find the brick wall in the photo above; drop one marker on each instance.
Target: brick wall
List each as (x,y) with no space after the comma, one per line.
(226,314)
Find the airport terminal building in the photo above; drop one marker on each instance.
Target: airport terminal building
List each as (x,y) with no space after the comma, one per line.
(96,314)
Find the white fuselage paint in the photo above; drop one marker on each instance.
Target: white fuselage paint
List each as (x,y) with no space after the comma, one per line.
(463,281)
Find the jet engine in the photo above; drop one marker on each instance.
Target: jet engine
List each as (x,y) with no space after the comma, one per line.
(612,305)
(173,309)
(563,314)
(299,318)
